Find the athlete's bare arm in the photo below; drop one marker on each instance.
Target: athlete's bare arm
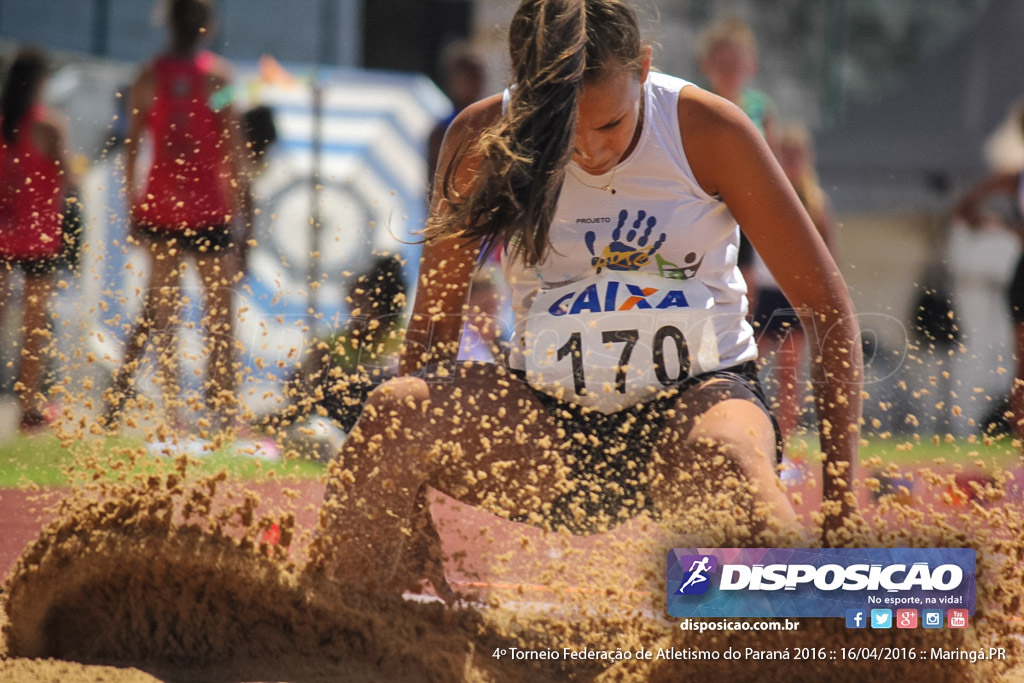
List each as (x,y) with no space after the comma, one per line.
(730,159)
(219,84)
(141,98)
(447,266)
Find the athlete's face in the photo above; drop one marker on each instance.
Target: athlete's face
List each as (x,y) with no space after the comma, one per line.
(609,111)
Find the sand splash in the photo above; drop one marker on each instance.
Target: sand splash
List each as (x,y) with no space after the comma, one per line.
(173,576)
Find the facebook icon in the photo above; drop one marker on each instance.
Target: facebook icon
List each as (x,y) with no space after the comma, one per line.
(856,618)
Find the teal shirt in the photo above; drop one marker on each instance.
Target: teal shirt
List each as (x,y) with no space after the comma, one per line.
(757,105)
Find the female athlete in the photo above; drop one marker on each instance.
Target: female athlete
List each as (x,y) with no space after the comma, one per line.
(614,193)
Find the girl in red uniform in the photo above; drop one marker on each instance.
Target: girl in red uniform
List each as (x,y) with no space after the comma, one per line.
(33,182)
(182,102)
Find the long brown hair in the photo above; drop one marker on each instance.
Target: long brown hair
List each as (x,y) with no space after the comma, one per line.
(556,46)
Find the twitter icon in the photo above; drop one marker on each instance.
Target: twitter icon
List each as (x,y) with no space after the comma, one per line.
(881,618)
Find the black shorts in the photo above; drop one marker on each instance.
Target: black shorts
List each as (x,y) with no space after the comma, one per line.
(1015,294)
(193,240)
(33,266)
(612,463)
(773,315)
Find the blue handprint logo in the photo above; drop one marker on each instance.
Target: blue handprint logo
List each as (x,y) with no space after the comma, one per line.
(632,253)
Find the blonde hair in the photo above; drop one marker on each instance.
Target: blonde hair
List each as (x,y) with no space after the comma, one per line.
(730,30)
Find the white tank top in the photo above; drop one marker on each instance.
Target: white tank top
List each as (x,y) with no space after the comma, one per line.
(658,221)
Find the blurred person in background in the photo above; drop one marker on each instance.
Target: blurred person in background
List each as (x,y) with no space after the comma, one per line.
(780,336)
(182,102)
(342,369)
(727,53)
(464,80)
(1007,182)
(259,132)
(34,179)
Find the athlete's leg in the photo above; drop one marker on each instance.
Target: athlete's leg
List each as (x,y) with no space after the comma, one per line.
(423,556)
(35,329)
(481,437)
(782,354)
(712,471)
(156,322)
(1017,390)
(216,271)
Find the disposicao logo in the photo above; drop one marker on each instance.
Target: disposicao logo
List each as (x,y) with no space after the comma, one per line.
(697,579)
(817,582)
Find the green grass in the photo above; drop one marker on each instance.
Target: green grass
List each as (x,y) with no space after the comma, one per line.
(912,450)
(44,461)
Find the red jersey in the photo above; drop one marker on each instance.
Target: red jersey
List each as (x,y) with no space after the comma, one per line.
(189,180)
(31,197)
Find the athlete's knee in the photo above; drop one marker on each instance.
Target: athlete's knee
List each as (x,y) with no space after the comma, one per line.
(401,398)
(736,435)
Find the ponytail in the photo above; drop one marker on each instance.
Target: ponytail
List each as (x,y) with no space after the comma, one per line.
(556,46)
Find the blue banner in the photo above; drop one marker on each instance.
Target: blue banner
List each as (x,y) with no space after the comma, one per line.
(818,582)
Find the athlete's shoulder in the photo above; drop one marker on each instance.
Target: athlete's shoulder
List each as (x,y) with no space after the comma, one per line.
(48,128)
(216,67)
(457,158)
(50,119)
(716,134)
(665,81)
(705,114)
(478,116)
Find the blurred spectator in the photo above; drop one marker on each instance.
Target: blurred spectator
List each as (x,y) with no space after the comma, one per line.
(182,102)
(464,77)
(728,58)
(1009,183)
(259,132)
(34,178)
(780,335)
(340,371)
(727,50)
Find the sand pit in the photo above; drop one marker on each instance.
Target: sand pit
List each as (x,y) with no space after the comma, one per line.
(176,582)
(117,583)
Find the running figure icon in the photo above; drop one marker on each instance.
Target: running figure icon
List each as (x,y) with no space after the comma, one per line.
(698,571)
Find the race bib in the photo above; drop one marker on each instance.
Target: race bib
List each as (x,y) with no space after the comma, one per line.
(614,339)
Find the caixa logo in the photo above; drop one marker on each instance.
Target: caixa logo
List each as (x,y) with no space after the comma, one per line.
(697,579)
(617,296)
